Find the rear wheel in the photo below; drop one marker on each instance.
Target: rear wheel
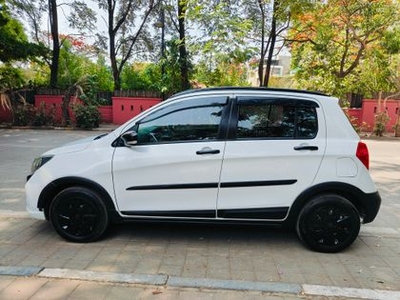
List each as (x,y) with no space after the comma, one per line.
(328,223)
(78,214)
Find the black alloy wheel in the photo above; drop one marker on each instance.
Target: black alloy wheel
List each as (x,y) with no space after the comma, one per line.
(79,215)
(328,223)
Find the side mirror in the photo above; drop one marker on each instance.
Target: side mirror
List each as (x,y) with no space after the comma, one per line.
(130,138)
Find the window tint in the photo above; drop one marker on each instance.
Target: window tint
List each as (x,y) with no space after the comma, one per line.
(276,119)
(185,124)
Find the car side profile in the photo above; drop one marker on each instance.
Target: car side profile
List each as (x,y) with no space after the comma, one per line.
(219,155)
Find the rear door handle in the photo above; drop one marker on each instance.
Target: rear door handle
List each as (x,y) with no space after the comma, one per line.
(207,151)
(301,147)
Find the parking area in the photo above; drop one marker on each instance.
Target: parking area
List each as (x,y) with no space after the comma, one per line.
(250,254)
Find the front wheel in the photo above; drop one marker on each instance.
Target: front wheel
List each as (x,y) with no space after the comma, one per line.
(328,223)
(79,215)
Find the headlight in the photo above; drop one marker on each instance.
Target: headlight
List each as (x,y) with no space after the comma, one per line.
(38,162)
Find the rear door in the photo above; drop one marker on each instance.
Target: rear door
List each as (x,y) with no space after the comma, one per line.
(275,149)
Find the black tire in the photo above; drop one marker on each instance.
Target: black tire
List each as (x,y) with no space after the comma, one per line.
(79,215)
(328,223)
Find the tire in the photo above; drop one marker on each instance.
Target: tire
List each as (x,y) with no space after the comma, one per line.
(328,223)
(79,215)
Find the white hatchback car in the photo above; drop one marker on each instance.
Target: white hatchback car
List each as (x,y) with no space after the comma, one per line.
(251,155)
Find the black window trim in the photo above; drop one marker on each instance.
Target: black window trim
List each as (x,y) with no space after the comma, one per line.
(238,100)
(225,102)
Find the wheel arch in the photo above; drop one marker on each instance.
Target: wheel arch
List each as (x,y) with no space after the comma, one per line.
(350,192)
(56,186)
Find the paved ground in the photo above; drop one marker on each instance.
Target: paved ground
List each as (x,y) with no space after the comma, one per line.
(179,261)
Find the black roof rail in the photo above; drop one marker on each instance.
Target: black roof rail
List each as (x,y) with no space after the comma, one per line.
(236,88)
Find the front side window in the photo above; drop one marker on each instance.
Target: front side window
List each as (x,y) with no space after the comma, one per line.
(276,119)
(193,123)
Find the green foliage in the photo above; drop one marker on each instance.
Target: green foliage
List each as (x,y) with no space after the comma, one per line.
(381,120)
(222,24)
(170,82)
(44,116)
(103,73)
(23,114)
(86,116)
(90,88)
(230,70)
(163,76)
(72,65)
(138,76)
(10,78)
(38,74)
(334,43)
(14,44)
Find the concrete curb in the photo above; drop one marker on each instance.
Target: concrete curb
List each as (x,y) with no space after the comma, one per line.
(234,285)
(20,271)
(104,276)
(181,282)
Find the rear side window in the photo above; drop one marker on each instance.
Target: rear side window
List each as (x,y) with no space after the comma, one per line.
(282,119)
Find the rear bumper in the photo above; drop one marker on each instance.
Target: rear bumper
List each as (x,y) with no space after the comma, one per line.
(372,203)
(35,213)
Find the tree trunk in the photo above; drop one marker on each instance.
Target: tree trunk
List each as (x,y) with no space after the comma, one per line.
(262,50)
(113,54)
(183,55)
(272,41)
(56,43)
(270,54)
(66,119)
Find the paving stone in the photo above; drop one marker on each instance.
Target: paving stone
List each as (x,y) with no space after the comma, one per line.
(22,289)
(55,290)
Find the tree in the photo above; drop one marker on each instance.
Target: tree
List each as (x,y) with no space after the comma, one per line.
(81,17)
(271,20)
(14,44)
(125,31)
(183,55)
(332,39)
(173,18)
(220,40)
(230,70)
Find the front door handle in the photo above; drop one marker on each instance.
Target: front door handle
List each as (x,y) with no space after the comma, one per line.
(207,151)
(301,147)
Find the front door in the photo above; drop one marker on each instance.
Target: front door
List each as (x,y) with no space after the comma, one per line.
(174,169)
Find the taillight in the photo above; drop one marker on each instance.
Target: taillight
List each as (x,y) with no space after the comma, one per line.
(363,154)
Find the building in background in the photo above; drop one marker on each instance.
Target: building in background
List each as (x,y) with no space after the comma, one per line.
(280,67)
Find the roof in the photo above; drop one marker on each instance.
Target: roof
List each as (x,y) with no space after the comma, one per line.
(236,88)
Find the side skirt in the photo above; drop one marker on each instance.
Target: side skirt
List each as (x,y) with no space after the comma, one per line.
(273,214)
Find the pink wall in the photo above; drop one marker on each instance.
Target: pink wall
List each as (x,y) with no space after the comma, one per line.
(52,103)
(106,113)
(355,115)
(5,115)
(370,108)
(125,108)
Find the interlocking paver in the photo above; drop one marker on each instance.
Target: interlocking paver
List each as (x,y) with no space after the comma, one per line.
(22,288)
(55,290)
